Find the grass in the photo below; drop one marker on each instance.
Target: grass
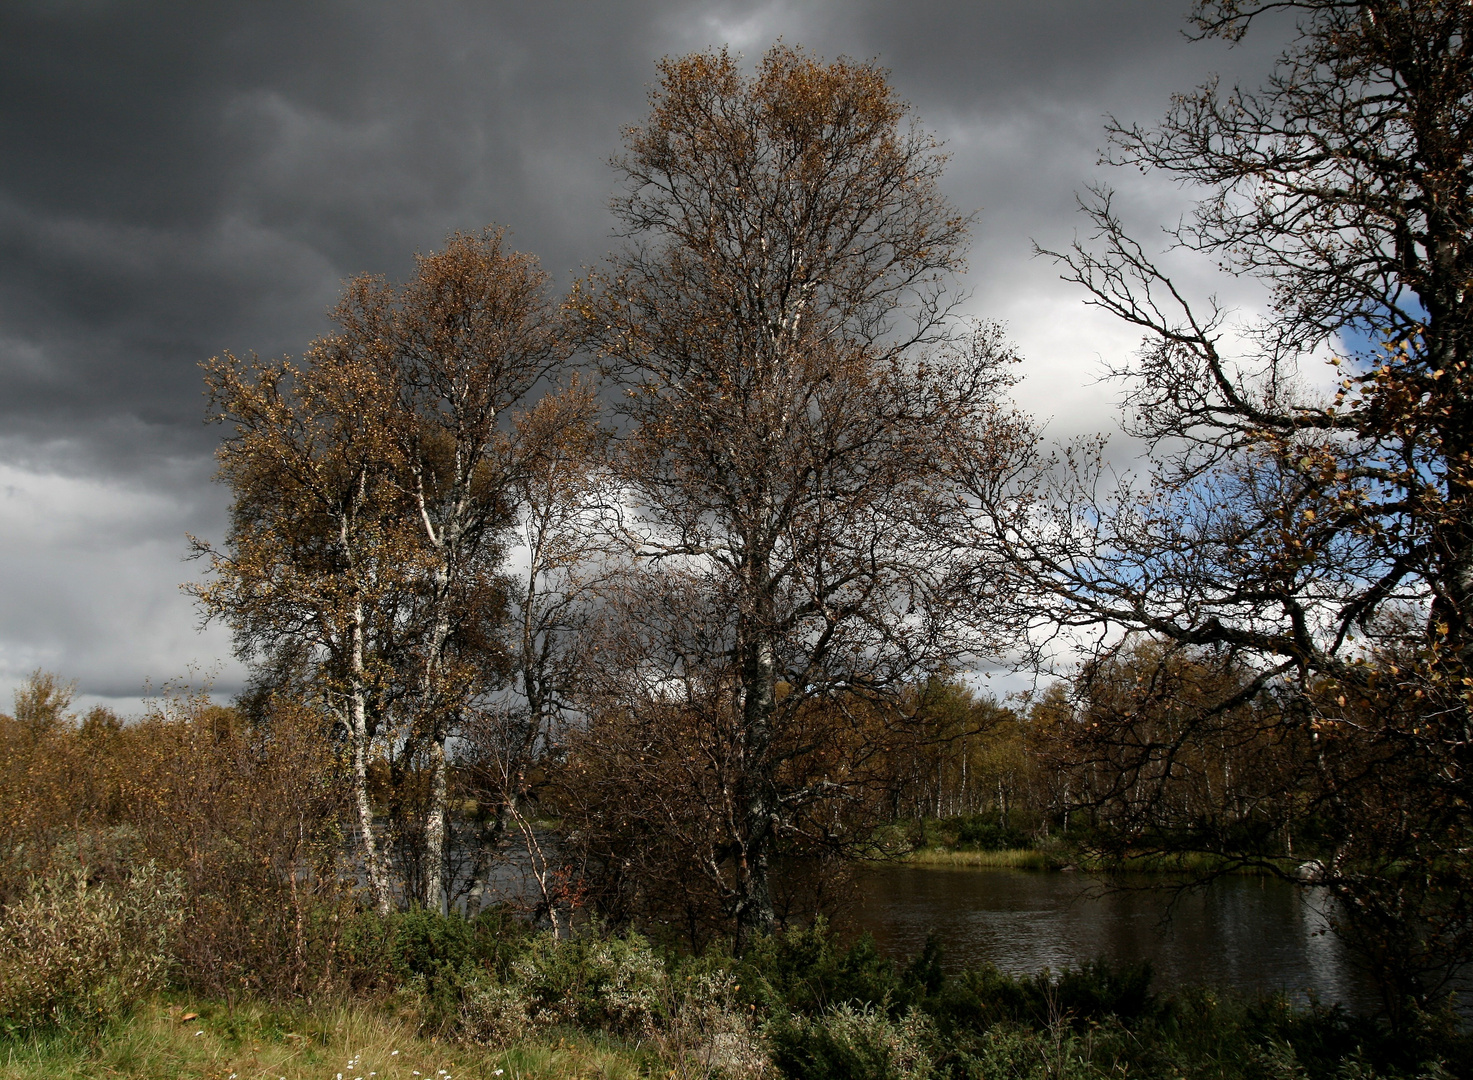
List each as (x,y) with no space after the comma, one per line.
(1008,859)
(261,1042)
(1040,859)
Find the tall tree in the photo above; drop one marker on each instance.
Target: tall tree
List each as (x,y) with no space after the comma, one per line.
(779,325)
(462,343)
(314,561)
(1324,541)
(373,498)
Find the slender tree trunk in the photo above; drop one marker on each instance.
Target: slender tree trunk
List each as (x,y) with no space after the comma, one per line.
(436,895)
(446,544)
(754,911)
(373,858)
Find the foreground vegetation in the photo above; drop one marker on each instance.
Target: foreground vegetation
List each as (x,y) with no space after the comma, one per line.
(489,998)
(187,872)
(254,1039)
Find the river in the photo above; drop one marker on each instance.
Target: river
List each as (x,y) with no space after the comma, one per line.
(1249,933)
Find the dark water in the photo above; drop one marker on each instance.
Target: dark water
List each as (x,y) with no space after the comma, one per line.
(1250,934)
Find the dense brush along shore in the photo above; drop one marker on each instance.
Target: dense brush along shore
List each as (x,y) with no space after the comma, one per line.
(91,984)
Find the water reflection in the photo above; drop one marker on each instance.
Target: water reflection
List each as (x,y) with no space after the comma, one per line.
(1251,934)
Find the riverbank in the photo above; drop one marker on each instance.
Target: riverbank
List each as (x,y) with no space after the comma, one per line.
(986,842)
(1005,859)
(1192,865)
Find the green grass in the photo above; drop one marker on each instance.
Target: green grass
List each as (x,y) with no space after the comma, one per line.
(260,1042)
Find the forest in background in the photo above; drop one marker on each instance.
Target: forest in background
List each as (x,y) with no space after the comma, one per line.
(669,586)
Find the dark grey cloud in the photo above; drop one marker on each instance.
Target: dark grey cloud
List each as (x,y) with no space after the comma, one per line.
(178,178)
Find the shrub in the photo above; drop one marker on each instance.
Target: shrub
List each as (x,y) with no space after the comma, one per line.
(494,1014)
(987,832)
(615,984)
(76,952)
(430,945)
(248,810)
(620,986)
(984,996)
(707,1031)
(848,1043)
(804,970)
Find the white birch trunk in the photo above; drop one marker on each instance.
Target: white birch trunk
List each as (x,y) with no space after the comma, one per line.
(373,858)
(437,895)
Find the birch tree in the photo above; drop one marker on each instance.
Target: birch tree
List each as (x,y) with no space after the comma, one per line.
(462,343)
(373,491)
(314,559)
(1319,545)
(778,323)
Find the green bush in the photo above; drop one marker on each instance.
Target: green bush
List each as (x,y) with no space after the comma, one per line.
(75,952)
(615,984)
(986,832)
(984,996)
(432,946)
(804,971)
(848,1043)
(708,1030)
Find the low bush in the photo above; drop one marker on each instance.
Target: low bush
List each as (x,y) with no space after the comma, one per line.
(594,982)
(849,1043)
(77,952)
(982,997)
(804,970)
(989,832)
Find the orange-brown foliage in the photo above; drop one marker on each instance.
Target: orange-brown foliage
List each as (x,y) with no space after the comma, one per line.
(248,812)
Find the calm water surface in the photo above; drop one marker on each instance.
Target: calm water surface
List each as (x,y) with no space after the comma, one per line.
(1251,934)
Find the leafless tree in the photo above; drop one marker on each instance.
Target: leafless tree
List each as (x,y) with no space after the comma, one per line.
(1320,547)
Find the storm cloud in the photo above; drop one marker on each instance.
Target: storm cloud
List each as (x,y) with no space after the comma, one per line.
(178,179)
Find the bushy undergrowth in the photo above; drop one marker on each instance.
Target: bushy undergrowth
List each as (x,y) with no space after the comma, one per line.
(77,952)
(202,853)
(797,1004)
(987,831)
(246,816)
(854,1041)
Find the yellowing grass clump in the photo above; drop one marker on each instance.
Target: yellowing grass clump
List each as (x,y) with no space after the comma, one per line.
(1010,859)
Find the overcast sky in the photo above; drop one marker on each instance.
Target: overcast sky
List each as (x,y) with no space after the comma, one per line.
(179,179)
